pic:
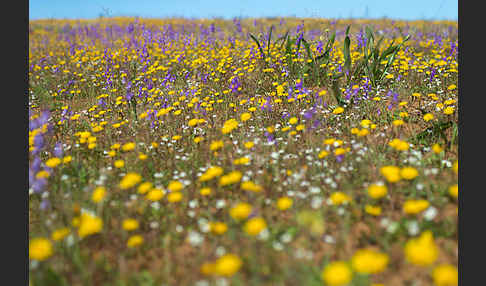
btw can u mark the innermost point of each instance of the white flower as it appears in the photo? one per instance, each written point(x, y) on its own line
point(220, 251)
point(430, 213)
point(220, 204)
point(277, 246)
point(193, 204)
point(316, 202)
point(286, 238)
point(329, 239)
point(194, 238)
point(155, 205)
point(264, 234)
point(413, 228)
point(314, 190)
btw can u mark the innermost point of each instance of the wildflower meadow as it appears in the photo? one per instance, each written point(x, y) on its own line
point(265, 151)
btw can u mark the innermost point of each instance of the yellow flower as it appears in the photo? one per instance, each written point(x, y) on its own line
point(250, 186)
point(245, 116)
point(119, 164)
point(144, 187)
point(445, 275)
point(377, 191)
point(229, 125)
point(193, 122)
point(142, 156)
point(398, 122)
point(337, 273)
point(339, 151)
point(422, 250)
point(368, 261)
point(323, 154)
point(174, 197)
point(249, 145)
point(40, 249)
point(363, 132)
point(373, 210)
point(328, 141)
point(255, 225)
point(293, 120)
point(130, 224)
point(339, 198)
point(399, 144)
point(218, 227)
point(437, 149)
point(59, 234)
point(67, 159)
point(198, 139)
point(391, 173)
point(175, 186)
point(240, 211)
point(210, 173)
point(365, 123)
point(134, 241)
point(451, 87)
point(455, 166)
point(130, 180)
point(216, 145)
point(415, 206)
point(53, 162)
point(454, 190)
point(154, 195)
point(89, 225)
point(408, 173)
point(230, 178)
point(205, 191)
point(449, 110)
point(227, 265)
point(428, 117)
point(284, 203)
point(98, 194)
point(338, 110)
point(42, 174)
point(241, 161)
point(128, 146)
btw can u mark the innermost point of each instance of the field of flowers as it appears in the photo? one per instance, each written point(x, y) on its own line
point(243, 152)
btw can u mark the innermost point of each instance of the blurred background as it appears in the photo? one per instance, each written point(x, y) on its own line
point(396, 9)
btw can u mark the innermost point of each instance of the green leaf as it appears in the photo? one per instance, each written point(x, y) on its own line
point(298, 45)
point(284, 39)
point(307, 48)
point(258, 44)
point(347, 57)
point(269, 40)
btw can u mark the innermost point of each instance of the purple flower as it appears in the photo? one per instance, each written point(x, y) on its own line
point(235, 84)
point(58, 149)
point(38, 185)
point(308, 114)
point(45, 204)
point(269, 136)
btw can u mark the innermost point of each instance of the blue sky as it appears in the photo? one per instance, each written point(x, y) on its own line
point(397, 9)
